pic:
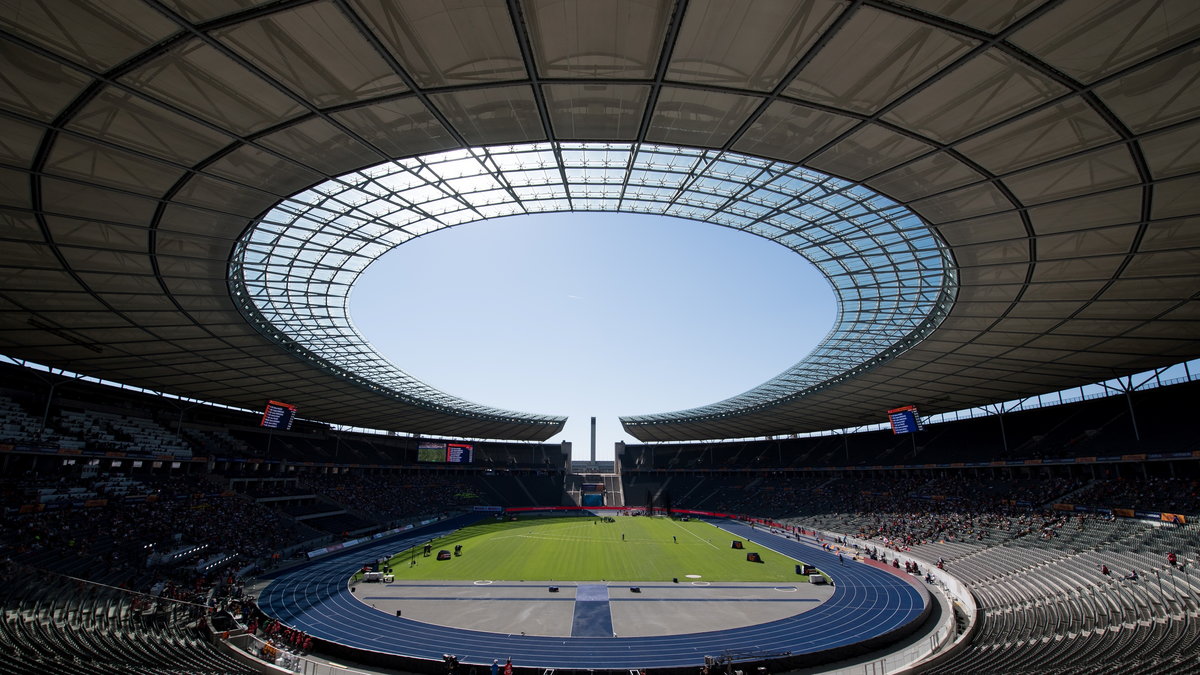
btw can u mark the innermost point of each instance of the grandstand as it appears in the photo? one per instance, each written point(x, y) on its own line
point(1000, 194)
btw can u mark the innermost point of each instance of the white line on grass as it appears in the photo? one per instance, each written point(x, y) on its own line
point(547, 537)
point(694, 534)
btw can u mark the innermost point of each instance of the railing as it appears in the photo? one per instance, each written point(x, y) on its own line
point(281, 657)
point(900, 660)
point(931, 645)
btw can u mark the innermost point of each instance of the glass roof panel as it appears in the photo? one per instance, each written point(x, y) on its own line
point(293, 270)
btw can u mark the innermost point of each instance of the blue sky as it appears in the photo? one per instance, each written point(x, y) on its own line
point(584, 314)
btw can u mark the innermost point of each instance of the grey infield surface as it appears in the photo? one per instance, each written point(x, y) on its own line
point(660, 608)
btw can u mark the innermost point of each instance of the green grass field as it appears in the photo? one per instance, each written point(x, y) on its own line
point(581, 549)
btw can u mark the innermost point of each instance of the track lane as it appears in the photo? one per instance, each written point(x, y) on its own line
point(315, 598)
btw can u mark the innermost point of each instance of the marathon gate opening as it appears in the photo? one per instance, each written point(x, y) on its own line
point(592, 494)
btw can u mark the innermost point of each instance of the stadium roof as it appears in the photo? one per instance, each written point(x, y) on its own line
point(293, 270)
point(1050, 149)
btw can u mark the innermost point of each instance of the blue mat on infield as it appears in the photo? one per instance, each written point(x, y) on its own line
point(592, 615)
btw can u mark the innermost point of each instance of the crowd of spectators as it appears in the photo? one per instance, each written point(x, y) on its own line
point(389, 497)
point(65, 520)
point(123, 537)
point(271, 489)
point(118, 527)
point(951, 521)
point(787, 496)
point(906, 510)
point(915, 512)
point(1172, 495)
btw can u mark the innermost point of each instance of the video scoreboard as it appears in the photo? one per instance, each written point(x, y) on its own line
point(905, 420)
point(278, 415)
point(459, 453)
point(447, 453)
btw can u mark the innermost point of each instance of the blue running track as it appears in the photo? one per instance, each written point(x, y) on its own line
point(592, 616)
point(866, 603)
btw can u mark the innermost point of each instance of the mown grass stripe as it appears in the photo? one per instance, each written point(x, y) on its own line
point(574, 549)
